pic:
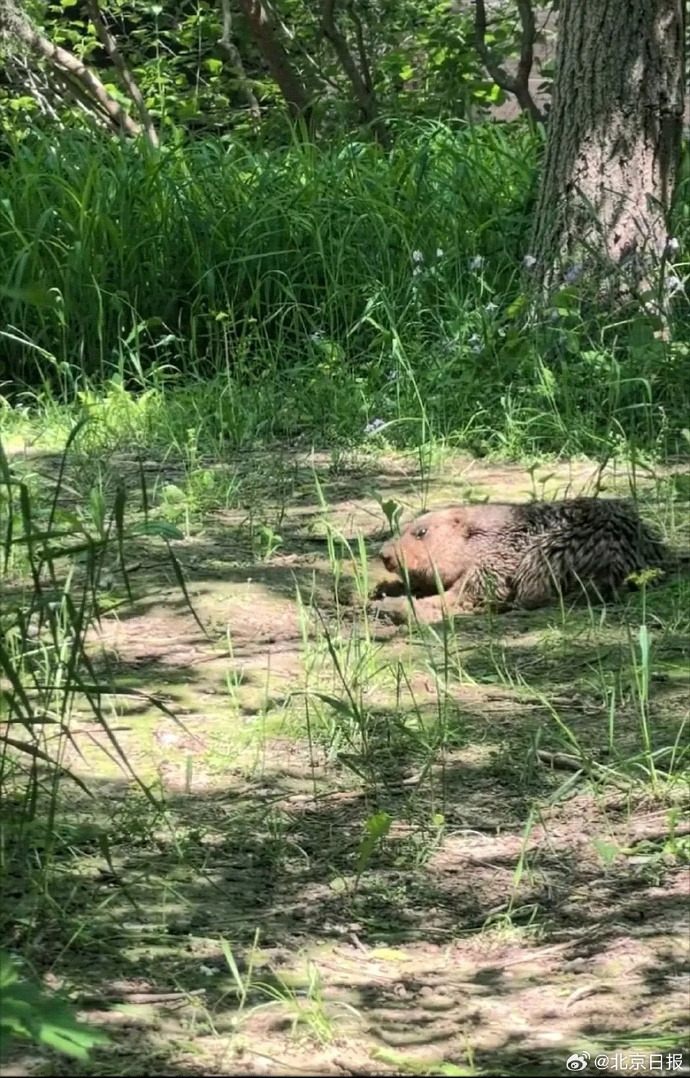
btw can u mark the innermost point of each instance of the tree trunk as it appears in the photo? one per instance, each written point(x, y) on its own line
point(613, 143)
point(276, 57)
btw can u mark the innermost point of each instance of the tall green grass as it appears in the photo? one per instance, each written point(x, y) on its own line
point(271, 292)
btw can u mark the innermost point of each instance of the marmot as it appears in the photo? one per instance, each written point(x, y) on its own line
point(522, 555)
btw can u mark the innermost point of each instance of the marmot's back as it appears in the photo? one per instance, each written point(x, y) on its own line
point(584, 542)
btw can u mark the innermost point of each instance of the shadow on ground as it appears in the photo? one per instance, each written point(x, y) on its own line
point(516, 911)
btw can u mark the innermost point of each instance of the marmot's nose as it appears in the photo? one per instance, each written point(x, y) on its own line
point(388, 558)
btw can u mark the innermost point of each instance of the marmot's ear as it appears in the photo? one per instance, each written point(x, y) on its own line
point(461, 522)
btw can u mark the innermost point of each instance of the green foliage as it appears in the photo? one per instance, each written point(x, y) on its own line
point(420, 53)
point(339, 293)
point(27, 1013)
point(244, 285)
point(376, 828)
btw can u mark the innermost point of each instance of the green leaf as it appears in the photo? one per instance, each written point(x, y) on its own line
point(341, 707)
point(608, 851)
point(27, 1013)
point(516, 306)
point(568, 299)
point(379, 824)
point(67, 519)
point(393, 511)
point(33, 294)
point(161, 528)
point(172, 493)
point(377, 827)
point(24, 102)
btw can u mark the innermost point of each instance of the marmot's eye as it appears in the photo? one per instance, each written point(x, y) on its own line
point(420, 533)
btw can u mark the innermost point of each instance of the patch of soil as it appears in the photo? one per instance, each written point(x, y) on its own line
point(471, 943)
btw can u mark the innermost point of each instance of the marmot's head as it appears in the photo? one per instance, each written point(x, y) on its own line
point(446, 541)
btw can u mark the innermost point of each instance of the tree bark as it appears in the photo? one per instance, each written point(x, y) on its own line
point(276, 57)
point(613, 143)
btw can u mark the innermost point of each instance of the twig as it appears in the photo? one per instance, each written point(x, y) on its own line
point(365, 96)
point(560, 760)
point(517, 84)
point(145, 997)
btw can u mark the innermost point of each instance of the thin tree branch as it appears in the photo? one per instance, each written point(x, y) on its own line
point(361, 48)
point(524, 68)
point(52, 86)
point(18, 75)
point(128, 81)
point(366, 98)
point(230, 49)
point(517, 84)
point(73, 88)
point(499, 74)
point(67, 87)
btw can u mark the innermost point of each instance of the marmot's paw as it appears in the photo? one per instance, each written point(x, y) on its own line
point(395, 610)
point(387, 588)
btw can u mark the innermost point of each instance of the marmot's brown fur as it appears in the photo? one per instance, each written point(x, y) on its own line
point(522, 555)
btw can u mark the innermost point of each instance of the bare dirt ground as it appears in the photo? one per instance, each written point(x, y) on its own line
point(506, 921)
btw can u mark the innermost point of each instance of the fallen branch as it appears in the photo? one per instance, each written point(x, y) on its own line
point(69, 63)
